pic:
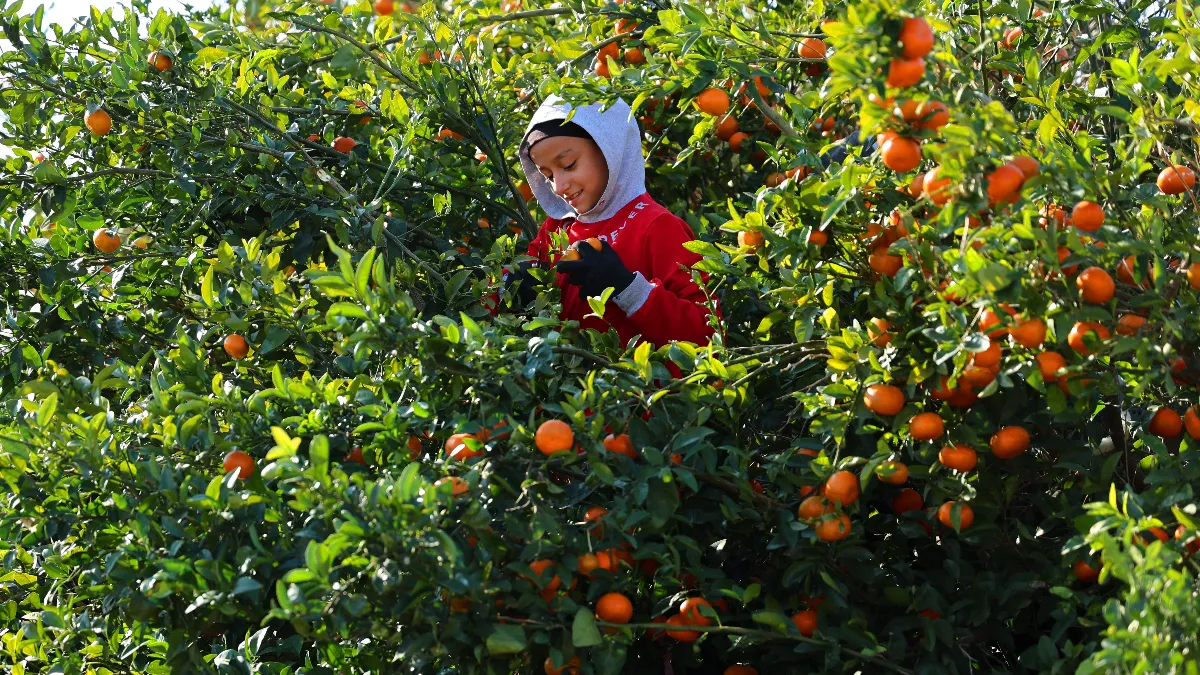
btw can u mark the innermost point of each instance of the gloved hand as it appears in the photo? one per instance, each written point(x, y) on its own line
point(526, 288)
point(596, 270)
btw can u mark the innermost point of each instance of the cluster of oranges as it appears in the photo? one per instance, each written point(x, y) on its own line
point(887, 400)
point(612, 50)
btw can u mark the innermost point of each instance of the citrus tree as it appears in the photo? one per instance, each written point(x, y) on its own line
point(268, 408)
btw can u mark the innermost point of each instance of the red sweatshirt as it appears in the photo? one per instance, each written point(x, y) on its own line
point(665, 303)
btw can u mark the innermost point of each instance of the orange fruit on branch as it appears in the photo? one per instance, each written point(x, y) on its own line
point(989, 357)
point(842, 488)
point(236, 346)
point(457, 485)
point(1176, 179)
point(713, 101)
point(926, 426)
point(1011, 37)
point(814, 507)
point(241, 462)
point(833, 528)
point(735, 141)
point(1010, 442)
point(678, 629)
point(937, 189)
point(1029, 333)
point(885, 264)
point(958, 457)
point(916, 37)
point(932, 115)
point(812, 48)
point(456, 448)
point(98, 122)
point(900, 154)
point(805, 621)
point(1049, 363)
point(554, 436)
point(1027, 165)
point(966, 515)
point(1082, 328)
point(692, 612)
point(621, 445)
point(1130, 324)
point(344, 144)
point(884, 399)
point(586, 564)
point(385, 7)
point(106, 240)
point(1004, 184)
point(1095, 286)
point(727, 126)
point(539, 568)
point(1087, 216)
point(160, 61)
point(905, 72)
point(877, 331)
point(1125, 271)
point(907, 500)
point(614, 608)
point(1085, 572)
point(892, 473)
point(751, 240)
point(1191, 421)
point(1166, 423)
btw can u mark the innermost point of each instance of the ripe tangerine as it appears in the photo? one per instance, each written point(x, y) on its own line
point(958, 457)
point(713, 101)
point(926, 426)
point(884, 399)
point(1166, 423)
point(1010, 442)
point(966, 515)
point(614, 608)
point(916, 37)
point(1176, 179)
point(554, 436)
point(241, 462)
point(236, 346)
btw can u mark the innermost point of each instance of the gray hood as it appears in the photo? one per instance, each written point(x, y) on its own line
point(617, 134)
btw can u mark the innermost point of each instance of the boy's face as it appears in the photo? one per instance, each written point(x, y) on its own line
point(575, 168)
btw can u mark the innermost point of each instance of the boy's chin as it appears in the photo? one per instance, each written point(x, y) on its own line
point(584, 206)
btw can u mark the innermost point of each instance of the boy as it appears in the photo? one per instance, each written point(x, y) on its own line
point(589, 176)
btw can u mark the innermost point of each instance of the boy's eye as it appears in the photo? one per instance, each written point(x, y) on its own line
point(569, 166)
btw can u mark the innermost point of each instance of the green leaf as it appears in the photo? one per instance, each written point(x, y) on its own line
point(206, 289)
point(775, 620)
point(318, 455)
point(276, 336)
point(210, 55)
point(47, 409)
point(506, 639)
point(583, 630)
point(696, 16)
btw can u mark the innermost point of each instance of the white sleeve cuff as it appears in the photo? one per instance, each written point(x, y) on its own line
point(635, 294)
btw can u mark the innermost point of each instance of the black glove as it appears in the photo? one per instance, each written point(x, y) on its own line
point(596, 270)
point(526, 291)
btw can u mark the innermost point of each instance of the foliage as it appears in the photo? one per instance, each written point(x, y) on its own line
point(357, 278)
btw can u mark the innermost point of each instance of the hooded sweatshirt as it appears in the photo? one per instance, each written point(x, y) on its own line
point(662, 303)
